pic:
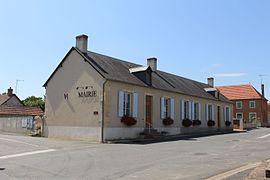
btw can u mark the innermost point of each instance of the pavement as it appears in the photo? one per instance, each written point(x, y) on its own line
point(235, 156)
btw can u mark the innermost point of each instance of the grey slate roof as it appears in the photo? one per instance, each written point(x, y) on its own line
point(118, 70)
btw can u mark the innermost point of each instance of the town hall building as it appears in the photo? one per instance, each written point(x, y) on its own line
point(91, 96)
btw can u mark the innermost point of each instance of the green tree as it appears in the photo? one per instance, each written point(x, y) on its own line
point(34, 101)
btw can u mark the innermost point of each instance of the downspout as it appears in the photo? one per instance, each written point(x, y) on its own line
point(102, 115)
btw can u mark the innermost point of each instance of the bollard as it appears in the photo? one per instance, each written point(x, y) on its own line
point(267, 173)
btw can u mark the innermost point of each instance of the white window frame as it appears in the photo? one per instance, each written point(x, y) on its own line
point(239, 113)
point(167, 107)
point(250, 104)
point(227, 113)
point(133, 104)
point(249, 120)
point(196, 111)
point(209, 116)
point(241, 106)
point(187, 108)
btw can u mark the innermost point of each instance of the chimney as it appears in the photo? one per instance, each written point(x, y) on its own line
point(10, 92)
point(262, 90)
point(210, 81)
point(81, 43)
point(152, 62)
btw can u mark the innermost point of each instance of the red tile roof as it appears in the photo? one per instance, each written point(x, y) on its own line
point(240, 92)
point(21, 110)
point(3, 98)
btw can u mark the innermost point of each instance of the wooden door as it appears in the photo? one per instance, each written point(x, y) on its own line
point(218, 116)
point(148, 111)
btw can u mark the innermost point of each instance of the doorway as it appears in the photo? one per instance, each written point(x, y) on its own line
point(148, 111)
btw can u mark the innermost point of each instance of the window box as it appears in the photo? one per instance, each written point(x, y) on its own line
point(211, 123)
point(196, 122)
point(228, 123)
point(128, 121)
point(167, 121)
point(187, 122)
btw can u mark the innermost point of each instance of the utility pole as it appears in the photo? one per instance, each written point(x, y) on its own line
point(17, 81)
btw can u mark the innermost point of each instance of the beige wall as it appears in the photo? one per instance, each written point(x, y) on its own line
point(67, 115)
point(14, 124)
point(112, 121)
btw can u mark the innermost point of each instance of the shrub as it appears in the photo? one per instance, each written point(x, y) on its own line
point(186, 122)
point(228, 123)
point(128, 121)
point(211, 123)
point(167, 121)
point(196, 122)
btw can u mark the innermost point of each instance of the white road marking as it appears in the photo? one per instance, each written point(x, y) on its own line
point(26, 154)
point(234, 171)
point(265, 136)
point(21, 142)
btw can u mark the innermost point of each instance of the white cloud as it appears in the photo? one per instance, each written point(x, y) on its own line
point(215, 65)
point(230, 74)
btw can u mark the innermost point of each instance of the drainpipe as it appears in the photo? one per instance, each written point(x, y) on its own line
point(102, 118)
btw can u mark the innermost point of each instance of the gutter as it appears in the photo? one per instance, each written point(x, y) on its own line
point(102, 115)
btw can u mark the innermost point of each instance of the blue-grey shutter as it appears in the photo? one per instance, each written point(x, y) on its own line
point(224, 113)
point(230, 116)
point(172, 108)
point(206, 112)
point(199, 114)
point(162, 107)
point(192, 110)
point(120, 103)
point(214, 117)
point(135, 105)
point(182, 109)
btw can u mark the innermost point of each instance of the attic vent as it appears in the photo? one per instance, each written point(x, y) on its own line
point(213, 91)
point(144, 73)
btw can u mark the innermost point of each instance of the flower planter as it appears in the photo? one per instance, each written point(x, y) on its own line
point(228, 123)
point(128, 121)
point(196, 122)
point(167, 121)
point(211, 123)
point(187, 122)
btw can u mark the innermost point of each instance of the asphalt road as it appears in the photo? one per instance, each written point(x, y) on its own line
point(199, 158)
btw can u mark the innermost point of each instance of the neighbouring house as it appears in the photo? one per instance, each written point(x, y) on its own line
point(15, 117)
point(92, 96)
point(249, 104)
point(268, 114)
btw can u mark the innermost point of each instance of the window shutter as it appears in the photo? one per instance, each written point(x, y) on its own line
point(162, 107)
point(192, 110)
point(199, 111)
point(172, 108)
point(135, 105)
point(214, 117)
point(182, 109)
point(121, 104)
point(206, 112)
point(230, 119)
point(224, 113)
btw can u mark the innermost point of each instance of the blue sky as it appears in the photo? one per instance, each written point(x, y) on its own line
point(226, 39)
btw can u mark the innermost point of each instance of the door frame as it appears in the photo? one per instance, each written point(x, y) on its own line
point(148, 124)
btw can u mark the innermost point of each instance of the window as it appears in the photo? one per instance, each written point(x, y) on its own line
point(127, 104)
point(239, 115)
point(186, 110)
point(252, 117)
point(227, 114)
point(196, 112)
point(239, 104)
point(252, 104)
point(167, 108)
point(210, 112)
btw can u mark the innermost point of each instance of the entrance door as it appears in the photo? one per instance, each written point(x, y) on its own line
point(218, 116)
point(148, 111)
